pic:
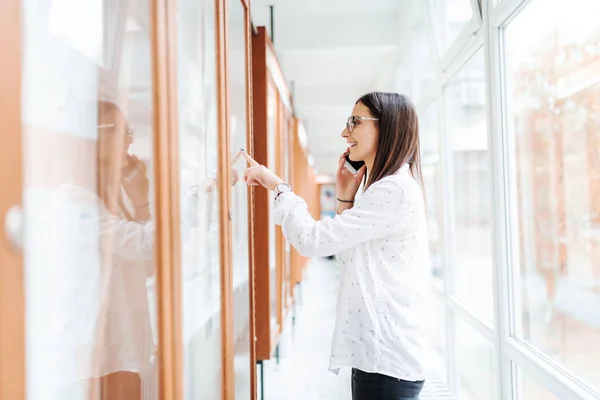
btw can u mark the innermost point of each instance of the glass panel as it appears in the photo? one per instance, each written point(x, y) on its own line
point(450, 18)
point(89, 268)
point(272, 108)
point(198, 152)
point(475, 362)
point(438, 339)
point(531, 389)
point(422, 58)
point(238, 132)
point(433, 179)
point(466, 126)
point(415, 74)
point(554, 124)
point(403, 78)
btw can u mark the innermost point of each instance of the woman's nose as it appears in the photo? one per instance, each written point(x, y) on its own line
point(345, 133)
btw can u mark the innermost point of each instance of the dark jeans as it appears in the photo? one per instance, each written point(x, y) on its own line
point(370, 386)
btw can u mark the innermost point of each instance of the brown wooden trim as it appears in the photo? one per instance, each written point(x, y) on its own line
point(298, 186)
point(315, 197)
point(279, 239)
point(166, 171)
point(12, 300)
point(262, 305)
point(224, 184)
point(292, 166)
point(289, 150)
point(250, 150)
point(295, 185)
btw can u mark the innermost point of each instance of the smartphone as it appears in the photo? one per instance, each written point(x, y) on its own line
point(353, 166)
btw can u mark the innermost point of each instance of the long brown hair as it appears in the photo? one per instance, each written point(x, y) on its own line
point(398, 142)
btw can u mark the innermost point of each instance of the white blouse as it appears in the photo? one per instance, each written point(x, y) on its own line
point(382, 249)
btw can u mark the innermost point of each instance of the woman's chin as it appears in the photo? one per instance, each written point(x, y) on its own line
point(354, 156)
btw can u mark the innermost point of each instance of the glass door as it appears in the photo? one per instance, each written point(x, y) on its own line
point(87, 128)
point(200, 204)
point(240, 215)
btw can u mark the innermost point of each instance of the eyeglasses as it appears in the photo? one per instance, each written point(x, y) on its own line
point(129, 131)
point(353, 120)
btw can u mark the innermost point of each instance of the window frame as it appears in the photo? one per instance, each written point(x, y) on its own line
point(513, 352)
point(485, 33)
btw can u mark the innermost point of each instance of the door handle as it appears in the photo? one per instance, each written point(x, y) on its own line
point(14, 226)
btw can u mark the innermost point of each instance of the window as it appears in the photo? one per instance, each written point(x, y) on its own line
point(239, 197)
point(200, 253)
point(422, 57)
point(439, 339)
point(471, 276)
point(87, 118)
point(403, 79)
point(433, 179)
point(552, 66)
point(415, 75)
point(476, 364)
point(530, 389)
point(450, 18)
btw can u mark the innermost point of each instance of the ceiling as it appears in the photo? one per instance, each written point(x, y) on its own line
point(332, 52)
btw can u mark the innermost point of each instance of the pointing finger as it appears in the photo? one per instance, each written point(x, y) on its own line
point(249, 159)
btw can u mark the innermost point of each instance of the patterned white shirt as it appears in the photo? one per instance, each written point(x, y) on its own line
point(382, 248)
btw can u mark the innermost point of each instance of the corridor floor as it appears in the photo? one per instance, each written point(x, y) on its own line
point(302, 372)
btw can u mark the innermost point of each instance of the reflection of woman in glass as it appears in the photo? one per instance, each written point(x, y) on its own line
point(123, 184)
point(124, 345)
point(381, 242)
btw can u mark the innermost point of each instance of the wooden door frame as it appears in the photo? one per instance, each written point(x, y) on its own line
point(267, 72)
point(167, 249)
point(12, 290)
point(250, 150)
point(279, 239)
point(224, 183)
point(262, 280)
point(298, 185)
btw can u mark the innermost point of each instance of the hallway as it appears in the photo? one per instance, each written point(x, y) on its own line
point(138, 262)
point(304, 351)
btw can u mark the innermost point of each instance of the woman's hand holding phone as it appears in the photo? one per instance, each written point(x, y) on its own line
point(347, 183)
point(135, 181)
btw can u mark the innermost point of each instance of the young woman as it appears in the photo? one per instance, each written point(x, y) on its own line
point(381, 243)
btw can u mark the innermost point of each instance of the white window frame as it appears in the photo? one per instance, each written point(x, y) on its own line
point(459, 308)
point(463, 37)
point(485, 33)
point(512, 350)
